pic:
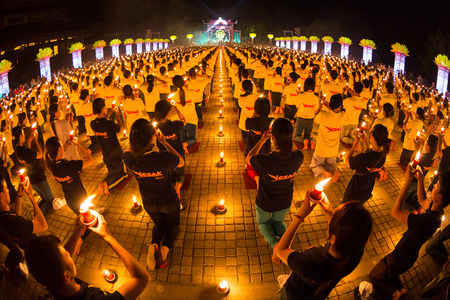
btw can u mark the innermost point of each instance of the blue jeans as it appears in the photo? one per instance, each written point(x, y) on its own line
point(303, 125)
point(189, 134)
point(271, 224)
point(44, 190)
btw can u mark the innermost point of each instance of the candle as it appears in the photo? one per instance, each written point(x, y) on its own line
point(110, 276)
point(221, 101)
point(362, 127)
point(22, 176)
point(221, 157)
point(442, 130)
point(417, 136)
point(342, 155)
point(316, 194)
point(4, 140)
point(220, 130)
point(415, 161)
point(154, 124)
point(221, 204)
point(124, 133)
point(135, 203)
point(223, 287)
point(71, 135)
point(33, 127)
point(220, 113)
point(89, 218)
point(114, 104)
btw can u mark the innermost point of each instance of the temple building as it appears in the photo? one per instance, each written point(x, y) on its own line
point(220, 31)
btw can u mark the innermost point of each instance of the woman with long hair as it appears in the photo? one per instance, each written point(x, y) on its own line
point(317, 270)
point(62, 129)
point(153, 171)
point(276, 170)
point(367, 165)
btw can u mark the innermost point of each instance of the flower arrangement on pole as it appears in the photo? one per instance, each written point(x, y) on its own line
point(115, 47)
point(401, 52)
point(288, 40)
point(148, 45)
point(295, 40)
point(5, 67)
point(98, 47)
point(314, 40)
point(75, 49)
point(443, 65)
point(139, 45)
point(345, 45)
point(128, 46)
point(270, 37)
point(368, 47)
point(327, 40)
point(303, 39)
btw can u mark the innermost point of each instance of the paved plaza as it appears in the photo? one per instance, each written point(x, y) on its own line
point(211, 248)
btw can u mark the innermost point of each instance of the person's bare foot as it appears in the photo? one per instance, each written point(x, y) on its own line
point(164, 252)
point(106, 188)
point(313, 145)
point(305, 145)
point(185, 147)
point(399, 294)
point(100, 189)
point(335, 177)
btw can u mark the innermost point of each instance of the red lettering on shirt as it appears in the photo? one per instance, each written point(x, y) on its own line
point(277, 83)
point(156, 175)
point(67, 179)
point(130, 112)
point(171, 137)
point(292, 95)
point(109, 97)
point(256, 132)
point(308, 105)
point(357, 108)
point(334, 92)
point(282, 177)
point(89, 115)
point(249, 108)
point(102, 134)
point(332, 129)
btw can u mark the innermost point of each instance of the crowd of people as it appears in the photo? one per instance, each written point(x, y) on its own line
point(288, 102)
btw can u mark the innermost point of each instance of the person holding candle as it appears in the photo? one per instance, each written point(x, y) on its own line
point(133, 109)
point(62, 129)
point(184, 100)
point(30, 158)
point(276, 91)
point(353, 107)
point(151, 95)
point(15, 230)
point(197, 84)
point(106, 132)
point(412, 124)
point(171, 130)
point(276, 170)
point(256, 126)
point(385, 275)
point(153, 171)
point(246, 102)
point(327, 147)
point(384, 118)
point(85, 110)
point(52, 265)
point(307, 107)
point(367, 165)
point(317, 270)
point(291, 93)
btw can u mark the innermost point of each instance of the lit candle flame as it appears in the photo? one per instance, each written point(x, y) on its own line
point(321, 184)
point(84, 207)
point(220, 129)
point(417, 156)
point(221, 153)
point(154, 124)
point(223, 285)
point(21, 171)
point(171, 95)
point(221, 202)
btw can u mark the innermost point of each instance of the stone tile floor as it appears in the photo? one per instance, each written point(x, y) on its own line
point(211, 248)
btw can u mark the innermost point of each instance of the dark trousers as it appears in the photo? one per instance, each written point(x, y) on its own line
point(81, 124)
point(405, 157)
point(14, 256)
point(199, 111)
point(94, 143)
point(166, 226)
point(276, 99)
point(116, 172)
point(401, 117)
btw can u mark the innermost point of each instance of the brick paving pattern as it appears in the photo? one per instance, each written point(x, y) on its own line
point(211, 248)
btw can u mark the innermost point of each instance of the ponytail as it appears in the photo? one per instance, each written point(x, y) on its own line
point(51, 146)
point(381, 136)
point(178, 82)
point(282, 132)
point(141, 135)
point(150, 83)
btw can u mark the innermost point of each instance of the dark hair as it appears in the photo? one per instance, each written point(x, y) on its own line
point(16, 132)
point(262, 107)
point(97, 106)
point(282, 132)
point(126, 73)
point(247, 86)
point(46, 262)
point(444, 189)
point(21, 118)
point(278, 71)
point(440, 114)
point(128, 91)
point(388, 110)
point(2, 125)
point(294, 76)
point(192, 72)
point(51, 147)
point(358, 86)
point(141, 135)
point(421, 113)
point(150, 83)
point(381, 136)
point(433, 144)
point(389, 87)
point(83, 94)
point(108, 80)
point(74, 86)
point(335, 101)
point(333, 74)
point(162, 109)
point(54, 99)
point(309, 85)
point(178, 82)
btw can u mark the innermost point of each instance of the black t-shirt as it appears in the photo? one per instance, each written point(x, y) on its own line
point(421, 227)
point(276, 178)
point(368, 164)
point(444, 166)
point(67, 173)
point(34, 168)
point(153, 171)
point(87, 292)
point(105, 131)
point(171, 130)
point(19, 228)
point(256, 127)
point(312, 267)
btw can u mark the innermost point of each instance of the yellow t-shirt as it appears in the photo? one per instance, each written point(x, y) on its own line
point(133, 110)
point(411, 132)
point(290, 91)
point(328, 139)
point(386, 122)
point(247, 105)
point(85, 110)
point(307, 104)
point(353, 107)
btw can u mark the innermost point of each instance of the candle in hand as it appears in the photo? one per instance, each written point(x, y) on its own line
point(71, 135)
point(22, 175)
point(114, 104)
point(124, 133)
point(417, 136)
point(316, 194)
point(220, 113)
point(33, 127)
point(86, 212)
point(416, 161)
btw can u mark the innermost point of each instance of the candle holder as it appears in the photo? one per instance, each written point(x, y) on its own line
point(220, 114)
point(89, 217)
point(220, 134)
point(221, 162)
point(317, 193)
point(23, 179)
point(223, 288)
point(220, 207)
point(136, 207)
point(110, 276)
point(125, 135)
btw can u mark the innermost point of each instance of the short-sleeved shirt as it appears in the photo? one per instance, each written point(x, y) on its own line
point(386, 122)
point(153, 171)
point(105, 131)
point(133, 110)
point(421, 227)
point(171, 130)
point(256, 127)
point(367, 165)
point(85, 110)
point(67, 173)
point(276, 181)
point(329, 133)
point(411, 132)
point(34, 168)
point(19, 228)
point(312, 267)
point(307, 105)
point(353, 107)
point(247, 105)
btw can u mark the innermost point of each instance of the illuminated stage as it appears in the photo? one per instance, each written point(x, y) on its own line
point(220, 31)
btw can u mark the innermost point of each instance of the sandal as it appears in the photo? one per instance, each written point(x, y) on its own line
point(164, 264)
point(152, 256)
